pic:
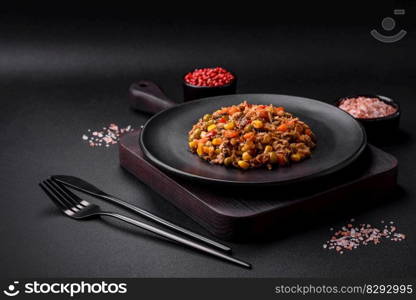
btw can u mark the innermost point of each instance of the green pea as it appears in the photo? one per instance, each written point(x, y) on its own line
point(197, 133)
point(248, 128)
point(228, 161)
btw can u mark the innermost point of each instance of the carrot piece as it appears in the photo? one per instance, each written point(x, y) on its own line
point(282, 127)
point(222, 120)
point(263, 114)
point(230, 133)
point(308, 132)
point(203, 140)
point(211, 133)
point(222, 111)
point(248, 135)
point(233, 109)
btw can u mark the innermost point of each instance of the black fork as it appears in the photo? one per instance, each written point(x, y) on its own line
point(74, 207)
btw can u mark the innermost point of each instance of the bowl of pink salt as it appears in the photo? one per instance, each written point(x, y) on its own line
point(380, 115)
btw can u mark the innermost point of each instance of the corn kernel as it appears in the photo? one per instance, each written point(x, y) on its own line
point(268, 149)
point(193, 144)
point(257, 124)
point(200, 150)
point(212, 127)
point(296, 157)
point(207, 117)
point(246, 147)
point(273, 157)
point(216, 141)
point(229, 125)
point(246, 156)
point(242, 164)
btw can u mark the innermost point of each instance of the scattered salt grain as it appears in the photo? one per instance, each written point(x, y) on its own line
point(109, 135)
point(354, 235)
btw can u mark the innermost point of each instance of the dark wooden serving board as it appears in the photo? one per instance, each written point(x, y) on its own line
point(239, 213)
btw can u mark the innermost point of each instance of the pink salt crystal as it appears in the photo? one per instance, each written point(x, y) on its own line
point(113, 127)
point(107, 139)
point(351, 237)
point(107, 136)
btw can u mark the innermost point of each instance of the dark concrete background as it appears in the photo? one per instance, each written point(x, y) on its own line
point(61, 74)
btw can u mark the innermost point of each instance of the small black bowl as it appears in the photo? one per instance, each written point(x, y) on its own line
point(192, 92)
point(379, 128)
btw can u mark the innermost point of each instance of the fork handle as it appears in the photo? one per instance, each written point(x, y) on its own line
point(177, 239)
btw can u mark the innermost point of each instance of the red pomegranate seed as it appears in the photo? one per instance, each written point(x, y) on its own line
point(209, 77)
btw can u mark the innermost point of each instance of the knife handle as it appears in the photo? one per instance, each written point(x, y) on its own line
point(146, 96)
point(178, 239)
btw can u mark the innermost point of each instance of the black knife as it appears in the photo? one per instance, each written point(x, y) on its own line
point(85, 187)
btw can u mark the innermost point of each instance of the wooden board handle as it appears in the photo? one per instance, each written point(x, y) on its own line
point(147, 97)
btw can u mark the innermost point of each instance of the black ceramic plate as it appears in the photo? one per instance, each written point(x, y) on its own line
point(340, 140)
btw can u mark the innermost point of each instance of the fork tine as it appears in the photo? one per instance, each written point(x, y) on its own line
point(54, 199)
point(74, 199)
point(57, 194)
point(69, 193)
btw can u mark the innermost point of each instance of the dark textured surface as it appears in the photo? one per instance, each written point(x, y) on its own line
point(245, 213)
point(59, 78)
